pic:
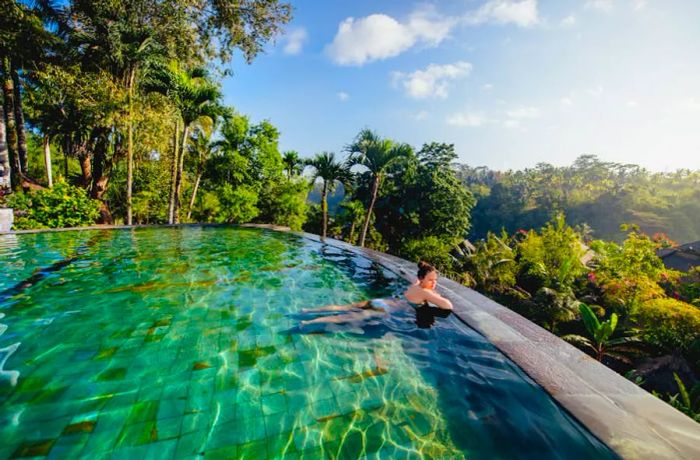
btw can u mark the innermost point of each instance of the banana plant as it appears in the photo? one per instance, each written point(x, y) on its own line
point(686, 401)
point(599, 340)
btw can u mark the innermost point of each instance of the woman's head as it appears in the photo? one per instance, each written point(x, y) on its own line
point(427, 275)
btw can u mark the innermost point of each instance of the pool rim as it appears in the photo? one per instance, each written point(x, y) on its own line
point(630, 421)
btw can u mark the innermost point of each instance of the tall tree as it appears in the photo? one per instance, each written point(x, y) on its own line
point(331, 171)
point(195, 97)
point(377, 155)
point(292, 163)
point(203, 147)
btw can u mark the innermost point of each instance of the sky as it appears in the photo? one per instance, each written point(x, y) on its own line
point(511, 83)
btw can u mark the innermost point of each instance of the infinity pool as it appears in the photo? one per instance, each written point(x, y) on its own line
point(185, 343)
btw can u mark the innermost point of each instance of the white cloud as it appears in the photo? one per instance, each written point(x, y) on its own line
point(522, 13)
point(343, 96)
point(466, 119)
point(566, 101)
point(521, 113)
point(568, 21)
point(379, 36)
point(295, 41)
point(487, 87)
point(433, 80)
point(600, 5)
point(639, 5)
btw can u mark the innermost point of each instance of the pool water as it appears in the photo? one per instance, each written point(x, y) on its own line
point(185, 343)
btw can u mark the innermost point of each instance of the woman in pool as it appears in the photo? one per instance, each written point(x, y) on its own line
point(420, 293)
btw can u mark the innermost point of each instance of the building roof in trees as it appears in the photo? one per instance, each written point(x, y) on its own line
point(683, 257)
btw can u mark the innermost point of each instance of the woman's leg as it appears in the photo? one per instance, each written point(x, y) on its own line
point(346, 318)
point(348, 307)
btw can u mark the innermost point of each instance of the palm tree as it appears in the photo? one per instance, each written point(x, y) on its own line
point(331, 171)
point(203, 147)
point(195, 97)
point(378, 156)
point(292, 163)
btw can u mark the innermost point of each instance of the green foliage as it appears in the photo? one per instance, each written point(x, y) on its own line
point(228, 204)
point(432, 250)
point(61, 206)
point(669, 323)
point(602, 194)
point(629, 273)
point(685, 401)
point(599, 340)
point(288, 205)
point(492, 266)
point(554, 254)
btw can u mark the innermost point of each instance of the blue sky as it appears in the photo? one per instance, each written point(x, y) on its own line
point(510, 82)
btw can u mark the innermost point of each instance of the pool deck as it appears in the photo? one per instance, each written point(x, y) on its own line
point(632, 422)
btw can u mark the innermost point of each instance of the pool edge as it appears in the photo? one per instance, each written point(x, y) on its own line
point(629, 420)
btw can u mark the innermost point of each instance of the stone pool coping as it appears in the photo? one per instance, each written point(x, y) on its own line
point(629, 420)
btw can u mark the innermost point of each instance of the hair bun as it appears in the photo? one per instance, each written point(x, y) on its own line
point(423, 264)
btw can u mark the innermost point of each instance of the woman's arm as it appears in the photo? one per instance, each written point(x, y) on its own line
point(437, 300)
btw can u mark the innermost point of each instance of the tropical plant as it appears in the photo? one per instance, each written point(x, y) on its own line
point(202, 148)
point(685, 401)
point(293, 165)
point(599, 341)
point(61, 206)
point(377, 155)
point(331, 172)
point(669, 323)
point(492, 266)
point(196, 98)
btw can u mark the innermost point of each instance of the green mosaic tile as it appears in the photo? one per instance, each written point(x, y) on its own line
point(252, 450)
point(222, 453)
point(161, 450)
point(143, 411)
point(117, 373)
point(34, 448)
point(169, 428)
point(138, 434)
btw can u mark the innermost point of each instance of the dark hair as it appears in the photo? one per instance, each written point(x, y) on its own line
point(424, 268)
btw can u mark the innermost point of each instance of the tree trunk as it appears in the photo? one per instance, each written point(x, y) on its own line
point(5, 183)
point(173, 175)
point(86, 168)
point(375, 189)
point(130, 149)
point(101, 169)
point(178, 177)
point(19, 120)
point(66, 150)
point(194, 194)
point(47, 159)
point(324, 207)
point(10, 124)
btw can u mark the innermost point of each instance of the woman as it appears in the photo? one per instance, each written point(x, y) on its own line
point(419, 294)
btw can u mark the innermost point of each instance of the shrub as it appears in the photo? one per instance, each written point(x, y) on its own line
point(61, 206)
point(669, 323)
point(553, 255)
point(431, 249)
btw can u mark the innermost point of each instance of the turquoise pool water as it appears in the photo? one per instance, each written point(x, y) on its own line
point(185, 343)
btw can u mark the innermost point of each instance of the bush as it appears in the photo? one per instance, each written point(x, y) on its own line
point(669, 323)
point(61, 206)
point(432, 250)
